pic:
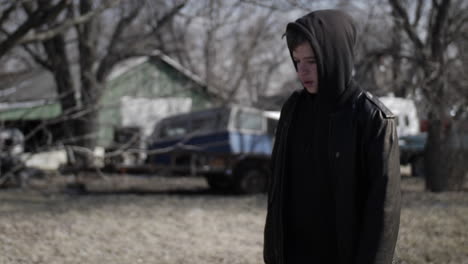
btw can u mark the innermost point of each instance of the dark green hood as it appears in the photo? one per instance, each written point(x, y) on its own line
point(332, 35)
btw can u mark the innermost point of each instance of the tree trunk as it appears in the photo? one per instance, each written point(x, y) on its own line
point(436, 178)
point(445, 159)
point(86, 134)
point(60, 67)
point(86, 121)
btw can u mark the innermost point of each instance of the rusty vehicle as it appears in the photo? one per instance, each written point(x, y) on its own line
point(229, 146)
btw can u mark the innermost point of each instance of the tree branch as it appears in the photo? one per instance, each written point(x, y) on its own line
point(402, 14)
point(37, 58)
point(6, 14)
point(168, 16)
point(113, 56)
point(123, 23)
point(418, 13)
point(37, 18)
point(110, 59)
point(440, 21)
point(50, 33)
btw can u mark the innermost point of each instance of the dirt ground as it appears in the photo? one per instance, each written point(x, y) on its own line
point(178, 220)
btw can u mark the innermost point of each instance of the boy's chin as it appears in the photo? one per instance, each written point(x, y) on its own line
point(311, 90)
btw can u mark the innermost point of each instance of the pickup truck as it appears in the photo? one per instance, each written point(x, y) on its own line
point(412, 152)
point(411, 140)
point(230, 146)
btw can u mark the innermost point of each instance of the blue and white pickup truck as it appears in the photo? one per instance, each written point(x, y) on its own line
point(412, 152)
point(230, 146)
point(411, 140)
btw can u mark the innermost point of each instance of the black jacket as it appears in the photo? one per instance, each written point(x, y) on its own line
point(362, 150)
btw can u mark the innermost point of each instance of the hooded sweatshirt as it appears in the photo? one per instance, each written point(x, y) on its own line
point(310, 231)
point(362, 161)
point(309, 200)
point(332, 36)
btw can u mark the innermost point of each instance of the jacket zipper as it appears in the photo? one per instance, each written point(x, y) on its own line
point(331, 157)
point(280, 253)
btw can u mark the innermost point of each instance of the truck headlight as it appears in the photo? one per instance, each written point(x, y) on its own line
point(217, 163)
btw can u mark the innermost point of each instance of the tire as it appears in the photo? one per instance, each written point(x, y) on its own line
point(251, 181)
point(12, 180)
point(76, 188)
point(218, 183)
point(417, 167)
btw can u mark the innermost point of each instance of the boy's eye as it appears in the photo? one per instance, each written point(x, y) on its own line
point(305, 61)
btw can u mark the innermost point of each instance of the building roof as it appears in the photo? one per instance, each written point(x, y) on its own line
point(126, 65)
point(33, 94)
point(28, 95)
point(34, 85)
point(31, 88)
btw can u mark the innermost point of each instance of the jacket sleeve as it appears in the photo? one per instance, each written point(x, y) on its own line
point(270, 245)
point(381, 213)
point(285, 111)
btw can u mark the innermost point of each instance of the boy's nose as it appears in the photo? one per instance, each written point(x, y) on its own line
point(301, 69)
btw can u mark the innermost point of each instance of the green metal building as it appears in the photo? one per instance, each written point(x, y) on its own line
point(139, 92)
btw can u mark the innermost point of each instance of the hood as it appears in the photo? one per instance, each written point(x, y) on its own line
point(332, 35)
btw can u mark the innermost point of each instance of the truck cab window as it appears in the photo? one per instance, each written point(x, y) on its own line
point(249, 121)
point(176, 129)
point(271, 126)
point(204, 124)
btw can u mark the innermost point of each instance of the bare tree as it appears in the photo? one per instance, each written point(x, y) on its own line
point(95, 36)
point(236, 46)
point(414, 49)
point(433, 51)
point(44, 13)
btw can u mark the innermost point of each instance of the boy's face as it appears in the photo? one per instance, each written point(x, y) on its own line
point(304, 58)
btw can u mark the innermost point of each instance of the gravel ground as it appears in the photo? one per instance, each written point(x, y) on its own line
point(178, 220)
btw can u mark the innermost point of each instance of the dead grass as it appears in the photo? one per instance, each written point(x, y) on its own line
point(434, 226)
point(163, 220)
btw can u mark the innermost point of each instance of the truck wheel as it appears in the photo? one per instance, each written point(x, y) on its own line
point(417, 167)
point(218, 183)
point(251, 180)
point(12, 180)
point(76, 188)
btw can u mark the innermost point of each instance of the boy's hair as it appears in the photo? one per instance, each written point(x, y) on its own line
point(294, 38)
